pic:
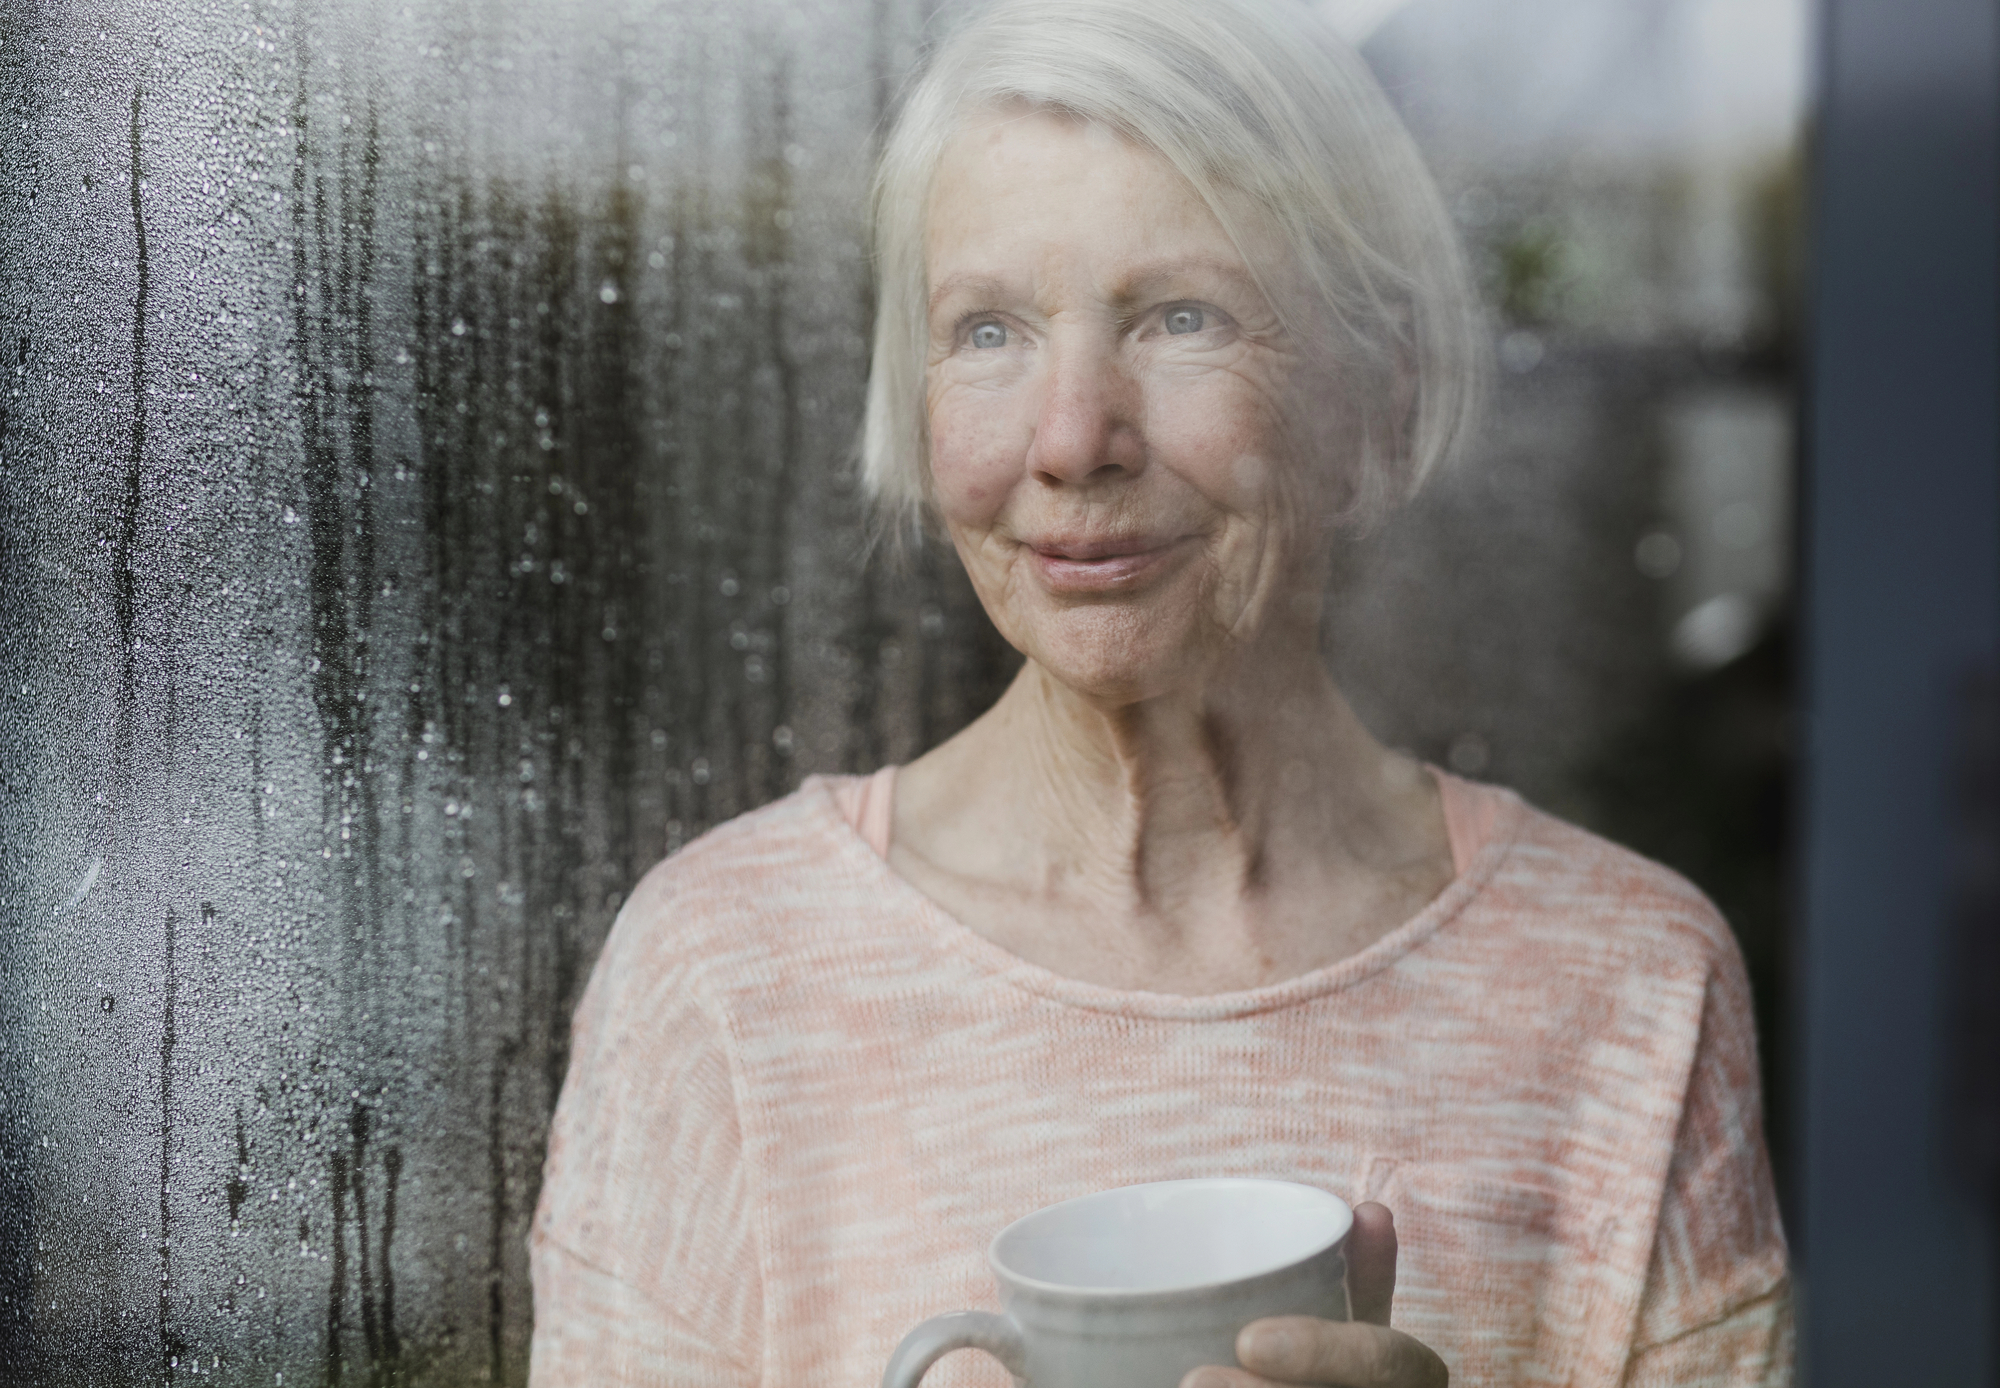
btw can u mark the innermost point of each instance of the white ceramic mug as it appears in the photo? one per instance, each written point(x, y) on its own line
point(1132, 1288)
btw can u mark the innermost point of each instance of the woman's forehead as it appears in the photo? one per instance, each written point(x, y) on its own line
point(1019, 154)
point(1019, 188)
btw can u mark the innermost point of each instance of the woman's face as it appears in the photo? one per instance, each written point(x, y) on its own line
point(1132, 455)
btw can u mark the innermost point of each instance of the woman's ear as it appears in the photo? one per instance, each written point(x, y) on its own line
point(1330, 429)
point(1364, 438)
point(1364, 417)
point(1390, 437)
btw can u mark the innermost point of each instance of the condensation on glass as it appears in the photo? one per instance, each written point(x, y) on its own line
point(425, 501)
point(425, 438)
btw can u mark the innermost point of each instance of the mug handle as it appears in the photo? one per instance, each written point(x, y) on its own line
point(940, 1335)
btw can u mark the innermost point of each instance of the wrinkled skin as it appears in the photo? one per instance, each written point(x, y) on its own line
point(1138, 459)
point(1131, 386)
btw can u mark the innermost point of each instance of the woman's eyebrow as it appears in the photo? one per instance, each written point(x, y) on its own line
point(1143, 280)
point(977, 286)
point(1133, 283)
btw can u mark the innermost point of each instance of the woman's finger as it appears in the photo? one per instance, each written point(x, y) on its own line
point(1214, 1377)
point(1371, 1263)
point(1303, 1349)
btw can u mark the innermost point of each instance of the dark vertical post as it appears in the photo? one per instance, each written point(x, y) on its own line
point(1903, 592)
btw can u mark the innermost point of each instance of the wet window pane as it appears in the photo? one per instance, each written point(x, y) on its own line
point(425, 443)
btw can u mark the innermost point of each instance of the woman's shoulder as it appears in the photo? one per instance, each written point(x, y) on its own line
point(767, 871)
point(1559, 882)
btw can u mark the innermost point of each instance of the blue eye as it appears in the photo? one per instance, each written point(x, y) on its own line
point(989, 335)
point(1184, 320)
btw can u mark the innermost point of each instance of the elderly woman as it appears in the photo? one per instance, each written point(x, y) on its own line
point(1168, 307)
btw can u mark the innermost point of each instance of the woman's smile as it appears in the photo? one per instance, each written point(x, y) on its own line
point(1116, 564)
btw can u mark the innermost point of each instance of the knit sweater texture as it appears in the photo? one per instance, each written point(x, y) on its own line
point(802, 1099)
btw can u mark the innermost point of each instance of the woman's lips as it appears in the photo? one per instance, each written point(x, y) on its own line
point(1096, 566)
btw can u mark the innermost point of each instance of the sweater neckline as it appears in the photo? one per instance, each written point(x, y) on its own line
point(939, 927)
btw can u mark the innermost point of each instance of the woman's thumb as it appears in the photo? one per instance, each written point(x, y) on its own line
point(1371, 1263)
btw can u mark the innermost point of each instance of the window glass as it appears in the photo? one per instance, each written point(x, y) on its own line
point(425, 443)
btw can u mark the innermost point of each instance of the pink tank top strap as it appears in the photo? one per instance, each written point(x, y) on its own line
point(1471, 815)
point(867, 803)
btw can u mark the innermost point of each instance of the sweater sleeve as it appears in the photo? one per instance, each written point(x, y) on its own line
point(1716, 1307)
point(593, 1330)
point(644, 1258)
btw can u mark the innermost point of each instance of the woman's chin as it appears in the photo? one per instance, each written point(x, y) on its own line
point(1116, 657)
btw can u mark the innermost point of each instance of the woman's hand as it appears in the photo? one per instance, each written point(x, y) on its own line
point(1361, 1353)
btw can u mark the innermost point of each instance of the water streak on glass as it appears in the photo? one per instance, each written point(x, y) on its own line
point(425, 473)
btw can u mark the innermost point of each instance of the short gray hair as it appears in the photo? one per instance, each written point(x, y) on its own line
point(1259, 98)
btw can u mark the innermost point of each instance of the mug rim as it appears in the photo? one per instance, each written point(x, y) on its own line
point(1344, 1225)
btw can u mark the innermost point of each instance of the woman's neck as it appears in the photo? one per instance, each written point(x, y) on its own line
point(1185, 844)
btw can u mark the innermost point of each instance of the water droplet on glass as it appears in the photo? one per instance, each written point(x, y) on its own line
point(1521, 352)
point(1468, 755)
point(1657, 555)
point(608, 293)
point(1716, 632)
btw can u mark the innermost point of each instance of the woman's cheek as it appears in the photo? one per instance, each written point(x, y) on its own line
point(969, 466)
point(1217, 436)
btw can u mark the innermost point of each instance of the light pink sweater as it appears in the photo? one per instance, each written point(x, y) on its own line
point(802, 1099)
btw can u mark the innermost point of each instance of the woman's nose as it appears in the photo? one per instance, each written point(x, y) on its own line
point(1087, 427)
